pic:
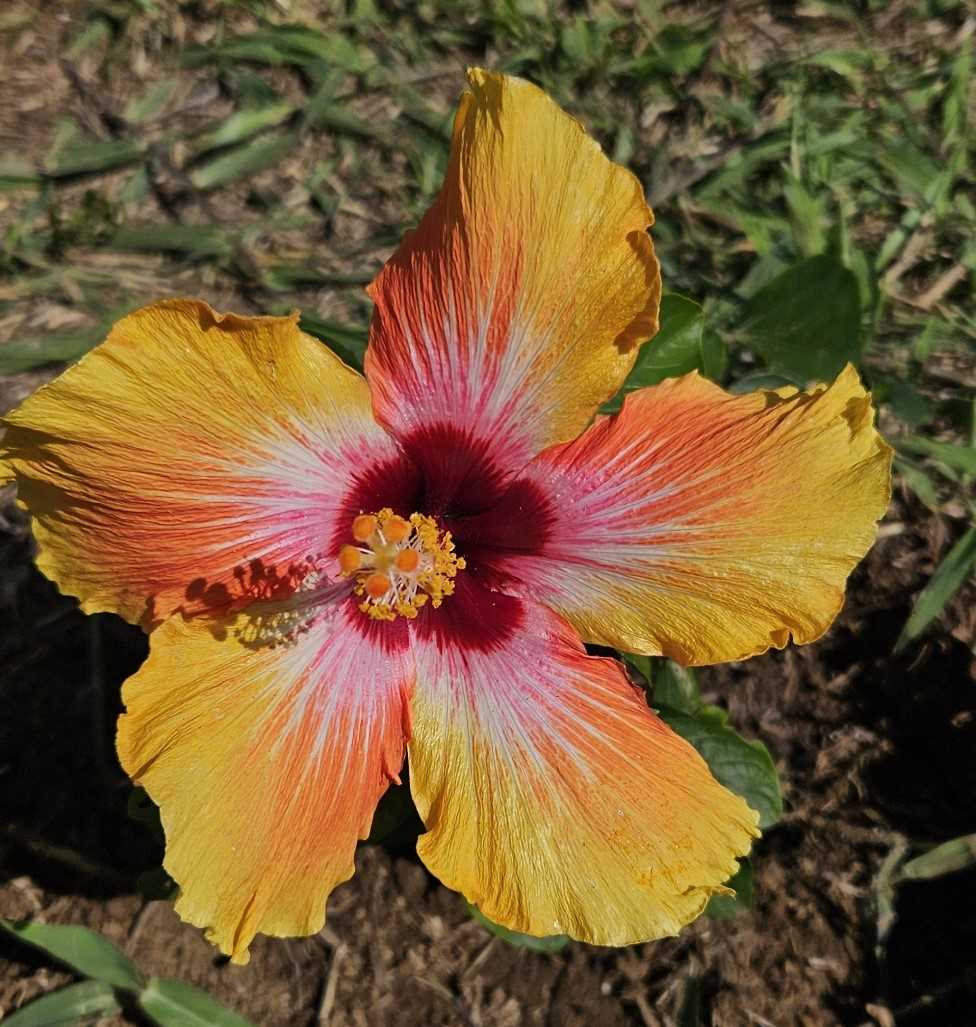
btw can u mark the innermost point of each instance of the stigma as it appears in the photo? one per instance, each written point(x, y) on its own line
point(399, 564)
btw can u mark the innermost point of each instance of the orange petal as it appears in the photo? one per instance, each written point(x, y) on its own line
point(705, 526)
point(266, 760)
point(554, 799)
point(517, 306)
point(187, 447)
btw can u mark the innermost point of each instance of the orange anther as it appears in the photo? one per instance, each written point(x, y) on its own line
point(350, 559)
point(396, 529)
point(377, 585)
point(407, 560)
point(363, 527)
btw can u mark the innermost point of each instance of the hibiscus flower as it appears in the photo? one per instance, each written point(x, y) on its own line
point(341, 572)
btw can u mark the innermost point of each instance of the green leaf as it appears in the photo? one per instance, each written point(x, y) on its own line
point(680, 49)
point(959, 458)
point(678, 348)
point(152, 103)
point(191, 240)
point(744, 767)
point(175, 1004)
point(806, 323)
point(724, 907)
point(243, 124)
point(83, 950)
point(52, 349)
point(16, 173)
point(676, 687)
point(919, 482)
point(958, 565)
point(348, 341)
point(245, 160)
point(947, 858)
point(81, 157)
point(642, 664)
point(553, 943)
point(77, 1002)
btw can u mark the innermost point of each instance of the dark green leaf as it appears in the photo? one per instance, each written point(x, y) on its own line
point(744, 767)
point(175, 1004)
point(553, 943)
point(690, 1014)
point(395, 813)
point(675, 350)
point(755, 380)
point(84, 951)
point(77, 1002)
point(724, 907)
point(958, 565)
point(806, 323)
point(348, 341)
point(644, 666)
point(680, 49)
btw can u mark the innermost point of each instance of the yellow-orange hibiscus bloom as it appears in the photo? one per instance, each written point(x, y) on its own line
point(337, 570)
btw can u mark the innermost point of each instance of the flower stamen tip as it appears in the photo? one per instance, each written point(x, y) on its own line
point(401, 564)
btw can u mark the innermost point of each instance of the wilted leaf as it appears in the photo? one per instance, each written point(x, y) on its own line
point(553, 943)
point(81, 949)
point(175, 1004)
point(76, 1003)
point(806, 323)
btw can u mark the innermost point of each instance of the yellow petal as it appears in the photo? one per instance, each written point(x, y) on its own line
point(187, 447)
point(266, 760)
point(705, 526)
point(554, 799)
point(517, 306)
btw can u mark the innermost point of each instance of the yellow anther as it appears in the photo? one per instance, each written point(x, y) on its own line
point(350, 559)
point(401, 566)
point(363, 527)
point(407, 560)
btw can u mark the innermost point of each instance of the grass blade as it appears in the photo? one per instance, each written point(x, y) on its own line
point(958, 565)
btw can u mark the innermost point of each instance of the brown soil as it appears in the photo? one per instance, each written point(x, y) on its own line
point(876, 752)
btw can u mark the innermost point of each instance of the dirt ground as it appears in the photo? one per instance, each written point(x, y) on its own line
point(876, 753)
